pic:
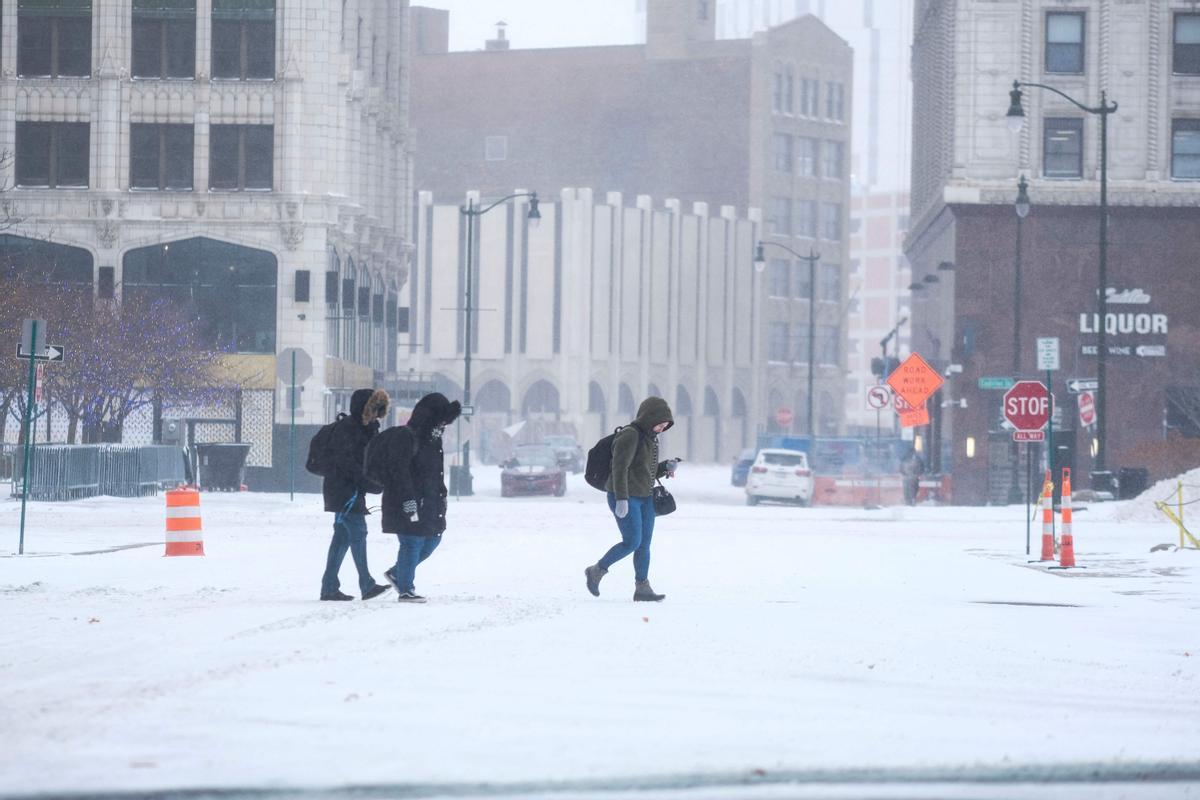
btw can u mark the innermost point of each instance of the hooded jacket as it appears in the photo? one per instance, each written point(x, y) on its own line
point(635, 464)
point(348, 443)
point(413, 467)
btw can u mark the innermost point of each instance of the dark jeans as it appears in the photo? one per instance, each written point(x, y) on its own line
point(349, 533)
point(637, 528)
point(413, 550)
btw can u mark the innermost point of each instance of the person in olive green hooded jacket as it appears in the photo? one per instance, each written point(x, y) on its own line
point(635, 467)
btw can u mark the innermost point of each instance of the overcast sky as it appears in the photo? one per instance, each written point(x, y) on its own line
point(541, 23)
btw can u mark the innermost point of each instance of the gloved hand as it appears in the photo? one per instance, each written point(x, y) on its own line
point(410, 509)
point(622, 509)
point(671, 466)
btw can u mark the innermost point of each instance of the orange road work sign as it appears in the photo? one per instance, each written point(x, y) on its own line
point(915, 380)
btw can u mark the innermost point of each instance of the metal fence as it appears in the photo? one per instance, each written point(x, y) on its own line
point(72, 472)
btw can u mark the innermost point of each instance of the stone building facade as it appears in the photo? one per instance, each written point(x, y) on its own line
point(1145, 54)
point(579, 318)
point(762, 122)
point(249, 156)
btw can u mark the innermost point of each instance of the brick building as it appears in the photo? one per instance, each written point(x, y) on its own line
point(752, 123)
point(1146, 55)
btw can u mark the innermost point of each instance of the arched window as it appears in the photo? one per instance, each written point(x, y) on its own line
point(712, 406)
point(624, 399)
point(493, 397)
point(541, 398)
point(596, 403)
point(44, 262)
point(683, 402)
point(231, 289)
point(653, 391)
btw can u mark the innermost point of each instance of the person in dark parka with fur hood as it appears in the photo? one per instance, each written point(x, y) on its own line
point(345, 489)
point(411, 469)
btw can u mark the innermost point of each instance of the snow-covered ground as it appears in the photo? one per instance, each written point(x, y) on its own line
point(801, 642)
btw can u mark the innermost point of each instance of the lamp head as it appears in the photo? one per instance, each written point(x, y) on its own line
point(534, 216)
point(1022, 204)
point(760, 258)
point(1016, 114)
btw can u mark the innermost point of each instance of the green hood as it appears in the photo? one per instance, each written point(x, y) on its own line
point(653, 411)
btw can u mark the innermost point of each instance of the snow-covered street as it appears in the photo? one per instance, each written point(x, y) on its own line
point(792, 639)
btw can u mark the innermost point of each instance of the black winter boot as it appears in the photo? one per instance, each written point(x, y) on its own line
point(593, 574)
point(642, 591)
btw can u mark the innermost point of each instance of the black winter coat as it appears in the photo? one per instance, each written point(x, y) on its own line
point(413, 468)
point(349, 444)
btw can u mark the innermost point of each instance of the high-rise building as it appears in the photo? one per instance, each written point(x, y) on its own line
point(757, 123)
point(879, 277)
point(1000, 284)
point(248, 157)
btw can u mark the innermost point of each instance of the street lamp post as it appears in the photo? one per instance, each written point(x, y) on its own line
point(812, 258)
point(1021, 206)
point(471, 211)
point(1016, 120)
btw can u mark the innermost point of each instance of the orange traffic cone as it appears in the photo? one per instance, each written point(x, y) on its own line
point(183, 523)
point(1066, 556)
point(1048, 518)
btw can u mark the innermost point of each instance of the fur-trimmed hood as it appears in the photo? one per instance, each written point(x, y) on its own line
point(369, 405)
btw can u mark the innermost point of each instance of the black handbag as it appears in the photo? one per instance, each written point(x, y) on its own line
point(664, 502)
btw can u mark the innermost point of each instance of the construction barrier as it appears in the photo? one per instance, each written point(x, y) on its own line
point(1066, 555)
point(1048, 518)
point(1176, 516)
point(184, 536)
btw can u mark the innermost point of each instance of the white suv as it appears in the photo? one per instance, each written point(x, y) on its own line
point(781, 475)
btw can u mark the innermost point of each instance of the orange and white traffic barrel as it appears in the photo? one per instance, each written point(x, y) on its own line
point(1066, 554)
point(1048, 518)
point(184, 537)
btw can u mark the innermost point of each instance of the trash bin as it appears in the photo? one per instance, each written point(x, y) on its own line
point(222, 467)
point(1132, 481)
point(1104, 485)
point(460, 481)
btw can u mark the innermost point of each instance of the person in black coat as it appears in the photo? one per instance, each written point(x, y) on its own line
point(345, 489)
point(411, 470)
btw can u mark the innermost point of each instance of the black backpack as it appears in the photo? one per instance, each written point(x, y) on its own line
point(320, 453)
point(599, 461)
point(375, 458)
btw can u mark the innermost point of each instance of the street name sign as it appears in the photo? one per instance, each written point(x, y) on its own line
point(996, 382)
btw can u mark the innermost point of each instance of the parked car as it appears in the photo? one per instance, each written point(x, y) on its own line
point(533, 469)
point(567, 450)
point(781, 475)
point(741, 467)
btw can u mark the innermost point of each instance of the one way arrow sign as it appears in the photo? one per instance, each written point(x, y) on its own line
point(53, 352)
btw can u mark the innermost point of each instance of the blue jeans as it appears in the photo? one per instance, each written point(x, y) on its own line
point(637, 528)
point(349, 533)
point(413, 550)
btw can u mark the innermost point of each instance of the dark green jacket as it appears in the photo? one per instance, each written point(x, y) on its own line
point(635, 462)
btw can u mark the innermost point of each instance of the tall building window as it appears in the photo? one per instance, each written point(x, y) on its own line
point(702, 10)
point(781, 152)
point(1064, 42)
point(777, 91)
point(779, 282)
point(1186, 56)
point(1062, 148)
point(831, 283)
point(52, 155)
point(810, 97)
point(779, 216)
point(495, 148)
point(835, 101)
point(243, 39)
point(54, 39)
point(789, 91)
point(1185, 149)
point(806, 156)
point(833, 159)
point(800, 351)
point(804, 285)
point(160, 156)
point(831, 221)
point(806, 218)
point(777, 341)
point(241, 157)
point(164, 39)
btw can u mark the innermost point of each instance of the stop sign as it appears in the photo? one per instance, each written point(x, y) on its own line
point(783, 416)
point(1087, 409)
point(1027, 406)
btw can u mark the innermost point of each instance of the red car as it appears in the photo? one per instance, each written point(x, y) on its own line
point(533, 469)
